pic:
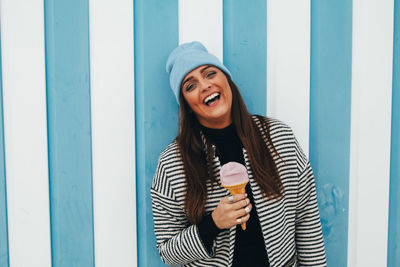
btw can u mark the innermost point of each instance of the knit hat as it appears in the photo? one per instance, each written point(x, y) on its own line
point(184, 59)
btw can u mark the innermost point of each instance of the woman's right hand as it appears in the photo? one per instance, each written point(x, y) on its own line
point(231, 211)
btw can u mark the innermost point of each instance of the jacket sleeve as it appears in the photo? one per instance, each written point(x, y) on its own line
point(178, 241)
point(309, 239)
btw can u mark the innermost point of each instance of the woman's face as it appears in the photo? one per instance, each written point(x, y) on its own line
point(207, 91)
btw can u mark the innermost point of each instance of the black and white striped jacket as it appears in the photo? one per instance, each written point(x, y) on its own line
point(291, 226)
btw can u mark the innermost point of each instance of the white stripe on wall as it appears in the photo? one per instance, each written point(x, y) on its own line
point(370, 132)
point(113, 132)
point(25, 132)
point(202, 20)
point(288, 65)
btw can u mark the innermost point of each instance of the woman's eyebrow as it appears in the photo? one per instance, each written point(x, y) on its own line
point(188, 79)
point(206, 67)
point(201, 71)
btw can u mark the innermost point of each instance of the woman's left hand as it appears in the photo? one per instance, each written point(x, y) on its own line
point(231, 211)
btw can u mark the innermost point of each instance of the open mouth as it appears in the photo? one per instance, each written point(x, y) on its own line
point(209, 100)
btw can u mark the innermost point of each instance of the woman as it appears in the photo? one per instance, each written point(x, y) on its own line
point(196, 221)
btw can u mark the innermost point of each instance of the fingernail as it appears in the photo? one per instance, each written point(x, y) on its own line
point(245, 194)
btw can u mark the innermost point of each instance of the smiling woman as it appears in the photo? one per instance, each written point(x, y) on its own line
point(196, 221)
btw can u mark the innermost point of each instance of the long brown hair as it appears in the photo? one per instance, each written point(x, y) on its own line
point(197, 155)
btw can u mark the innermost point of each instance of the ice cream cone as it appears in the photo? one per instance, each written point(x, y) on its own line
point(237, 189)
point(234, 177)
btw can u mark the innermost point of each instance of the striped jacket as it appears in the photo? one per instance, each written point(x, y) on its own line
point(291, 226)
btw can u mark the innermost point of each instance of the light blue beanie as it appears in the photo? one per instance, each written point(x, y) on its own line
point(184, 59)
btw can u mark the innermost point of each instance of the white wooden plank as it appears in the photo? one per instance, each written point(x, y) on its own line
point(370, 132)
point(202, 20)
point(113, 132)
point(288, 65)
point(25, 132)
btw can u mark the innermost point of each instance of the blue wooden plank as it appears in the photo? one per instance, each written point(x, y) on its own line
point(245, 49)
point(156, 110)
point(69, 132)
point(331, 46)
point(4, 260)
point(394, 200)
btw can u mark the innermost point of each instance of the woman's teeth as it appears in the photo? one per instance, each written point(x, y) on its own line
point(211, 98)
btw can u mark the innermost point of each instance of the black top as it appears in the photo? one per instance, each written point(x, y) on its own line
point(249, 244)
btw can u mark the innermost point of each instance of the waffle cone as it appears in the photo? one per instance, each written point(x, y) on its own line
point(237, 189)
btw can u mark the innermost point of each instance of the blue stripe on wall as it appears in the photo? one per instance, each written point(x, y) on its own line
point(245, 49)
point(69, 132)
point(331, 51)
point(156, 34)
point(394, 200)
point(3, 195)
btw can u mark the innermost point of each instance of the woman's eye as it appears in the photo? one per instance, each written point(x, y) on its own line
point(190, 87)
point(211, 74)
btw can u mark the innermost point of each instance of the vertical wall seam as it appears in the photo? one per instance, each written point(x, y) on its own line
point(91, 138)
point(393, 255)
point(5, 258)
point(45, 8)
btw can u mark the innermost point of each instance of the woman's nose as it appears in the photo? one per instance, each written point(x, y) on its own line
point(205, 85)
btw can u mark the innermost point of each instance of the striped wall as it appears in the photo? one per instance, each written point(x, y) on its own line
point(85, 110)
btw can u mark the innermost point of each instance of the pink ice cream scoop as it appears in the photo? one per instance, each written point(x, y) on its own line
point(233, 173)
